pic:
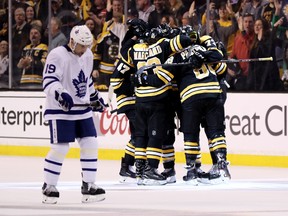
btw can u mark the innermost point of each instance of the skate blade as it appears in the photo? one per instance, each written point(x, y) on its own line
point(139, 181)
point(127, 180)
point(49, 200)
point(220, 180)
point(91, 198)
point(203, 180)
point(193, 182)
point(154, 182)
point(171, 179)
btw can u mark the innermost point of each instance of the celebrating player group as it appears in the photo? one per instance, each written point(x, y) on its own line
point(161, 73)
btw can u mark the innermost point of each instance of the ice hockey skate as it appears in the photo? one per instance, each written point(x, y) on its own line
point(219, 172)
point(200, 174)
point(92, 193)
point(140, 165)
point(153, 177)
point(191, 177)
point(127, 173)
point(170, 175)
point(50, 194)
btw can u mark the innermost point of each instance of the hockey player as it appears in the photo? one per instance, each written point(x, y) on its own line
point(200, 94)
point(125, 97)
point(151, 102)
point(67, 82)
point(192, 149)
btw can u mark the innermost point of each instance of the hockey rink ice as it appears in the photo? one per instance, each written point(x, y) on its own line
point(253, 191)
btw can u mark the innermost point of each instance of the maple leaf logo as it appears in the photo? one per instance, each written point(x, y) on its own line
point(80, 84)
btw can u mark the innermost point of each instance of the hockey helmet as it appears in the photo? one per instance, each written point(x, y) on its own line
point(174, 32)
point(165, 30)
point(154, 35)
point(81, 35)
point(139, 27)
point(192, 33)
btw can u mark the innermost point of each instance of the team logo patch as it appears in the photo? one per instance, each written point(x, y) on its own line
point(80, 84)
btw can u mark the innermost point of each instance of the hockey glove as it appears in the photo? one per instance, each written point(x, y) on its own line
point(64, 99)
point(197, 58)
point(140, 79)
point(97, 103)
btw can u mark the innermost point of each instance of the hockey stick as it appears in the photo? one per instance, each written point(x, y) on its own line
point(228, 61)
point(113, 111)
point(93, 104)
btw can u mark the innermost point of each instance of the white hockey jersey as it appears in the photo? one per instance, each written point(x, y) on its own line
point(65, 70)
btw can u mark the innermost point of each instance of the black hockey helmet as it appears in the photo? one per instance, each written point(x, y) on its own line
point(139, 27)
point(192, 33)
point(165, 30)
point(153, 35)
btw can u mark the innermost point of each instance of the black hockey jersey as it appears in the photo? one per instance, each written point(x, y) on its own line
point(38, 54)
point(143, 54)
point(198, 83)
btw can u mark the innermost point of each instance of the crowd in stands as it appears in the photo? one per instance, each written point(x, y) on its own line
point(247, 29)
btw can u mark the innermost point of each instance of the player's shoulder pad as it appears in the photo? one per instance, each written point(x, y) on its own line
point(205, 38)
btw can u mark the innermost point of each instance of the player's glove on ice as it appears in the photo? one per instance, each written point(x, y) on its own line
point(64, 99)
point(97, 102)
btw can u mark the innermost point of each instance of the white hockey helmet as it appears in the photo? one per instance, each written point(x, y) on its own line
point(82, 35)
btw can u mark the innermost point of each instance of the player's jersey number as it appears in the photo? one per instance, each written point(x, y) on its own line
point(204, 71)
point(50, 68)
point(150, 61)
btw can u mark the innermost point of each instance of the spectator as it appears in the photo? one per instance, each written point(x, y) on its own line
point(4, 63)
point(114, 7)
point(41, 12)
point(58, 38)
point(225, 28)
point(238, 73)
point(107, 51)
point(213, 13)
point(161, 9)
point(264, 76)
point(170, 20)
point(32, 61)
point(56, 7)
point(37, 22)
point(177, 9)
point(97, 12)
point(20, 38)
point(268, 11)
point(30, 14)
point(94, 28)
point(4, 24)
point(254, 7)
point(144, 7)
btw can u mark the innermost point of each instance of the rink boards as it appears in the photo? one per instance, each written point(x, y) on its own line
point(256, 129)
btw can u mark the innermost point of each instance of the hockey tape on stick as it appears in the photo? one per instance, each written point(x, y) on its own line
point(227, 61)
point(245, 60)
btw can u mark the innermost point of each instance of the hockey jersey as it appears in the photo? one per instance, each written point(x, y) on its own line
point(143, 54)
point(198, 83)
point(65, 70)
point(38, 54)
